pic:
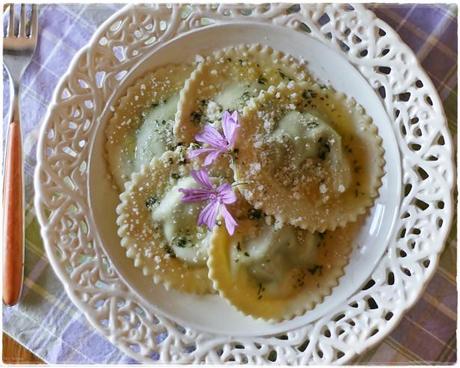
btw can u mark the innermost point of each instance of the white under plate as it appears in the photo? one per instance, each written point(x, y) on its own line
point(396, 251)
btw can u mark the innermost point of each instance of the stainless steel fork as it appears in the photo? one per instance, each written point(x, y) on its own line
point(18, 48)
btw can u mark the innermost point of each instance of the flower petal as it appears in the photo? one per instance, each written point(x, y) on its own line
point(230, 222)
point(211, 157)
point(211, 136)
point(202, 178)
point(195, 195)
point(196, 152)
point(226, 194)
point(208, 215)
point(230, 126)
point(226, 116)
point(235, 116)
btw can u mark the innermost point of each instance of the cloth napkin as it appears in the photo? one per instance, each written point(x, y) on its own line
point(49, 325)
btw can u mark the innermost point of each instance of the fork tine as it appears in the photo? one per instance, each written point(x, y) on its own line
point(34, 21)
point(11, 22)
point(22, 21)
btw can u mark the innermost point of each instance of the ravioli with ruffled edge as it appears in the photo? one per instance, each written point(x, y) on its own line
point(226, 80)
point(276, 272)
point(141, 127)
point(159, 231)
point(309, 156)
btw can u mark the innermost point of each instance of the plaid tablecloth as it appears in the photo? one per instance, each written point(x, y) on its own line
point(48, 324)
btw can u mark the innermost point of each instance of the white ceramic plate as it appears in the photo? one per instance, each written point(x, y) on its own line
point(398, 246)
point(205, 313)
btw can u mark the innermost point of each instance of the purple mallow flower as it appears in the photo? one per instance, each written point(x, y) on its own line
point(217, 142)
point(217, 197)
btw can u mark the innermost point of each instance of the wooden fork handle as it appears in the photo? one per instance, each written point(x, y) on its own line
point(13, 217)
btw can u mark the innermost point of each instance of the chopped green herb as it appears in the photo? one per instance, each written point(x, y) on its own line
point(234, 155)
point(260, 290)
point(262, 80)
point(324, 148)
point(195, 117)
point(246, 96)
point(182, 159)
point(316, 268)
point(238, 247)
point(246, 254)
point(181, 242)
point(150, 202)
point(170, 251)
point(254, 214)
point(321, 239)
point(300, 280)
point(175, 176)
point(312, 124)
point(308, 94)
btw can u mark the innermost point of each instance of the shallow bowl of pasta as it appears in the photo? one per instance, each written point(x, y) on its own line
point(326, 66)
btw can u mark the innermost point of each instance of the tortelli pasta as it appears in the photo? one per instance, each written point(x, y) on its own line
point(277, 273)
point(311, 157)
point(227, 80)
point(141, 127)
point(159, 231)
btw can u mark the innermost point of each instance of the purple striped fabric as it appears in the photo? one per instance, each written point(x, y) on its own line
point(48, 324)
